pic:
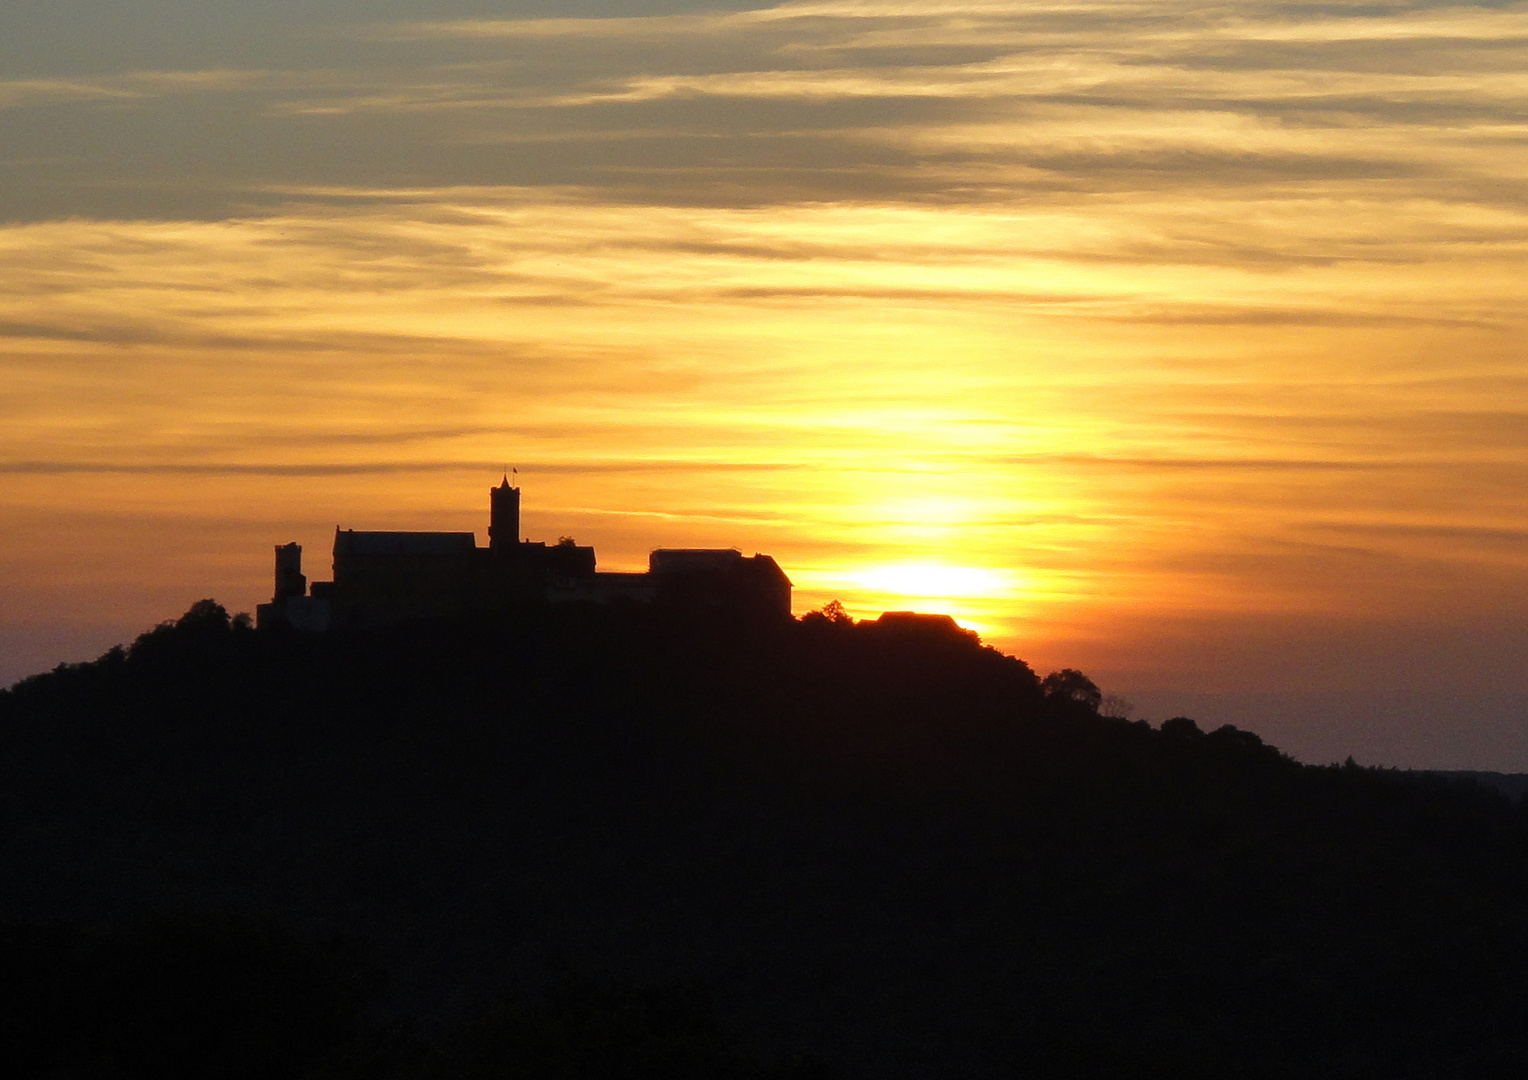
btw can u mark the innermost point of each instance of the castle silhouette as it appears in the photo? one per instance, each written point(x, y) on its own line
point(391, 577)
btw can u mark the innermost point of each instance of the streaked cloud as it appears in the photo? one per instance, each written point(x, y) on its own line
point(954, 102)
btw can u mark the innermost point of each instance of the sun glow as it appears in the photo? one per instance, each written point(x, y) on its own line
point(983, 599)
point(932, 580)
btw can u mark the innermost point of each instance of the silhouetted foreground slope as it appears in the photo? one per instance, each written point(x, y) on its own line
point(608, 844)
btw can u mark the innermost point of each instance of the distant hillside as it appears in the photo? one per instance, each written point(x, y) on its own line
point(1513, 785)
point(607, 842)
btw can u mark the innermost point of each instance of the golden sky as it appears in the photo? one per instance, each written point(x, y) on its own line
point(1181, 343)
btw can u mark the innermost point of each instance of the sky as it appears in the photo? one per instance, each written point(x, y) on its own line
point(1181, 343)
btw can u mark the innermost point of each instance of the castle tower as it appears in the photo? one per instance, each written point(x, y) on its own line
point(504, 517)
point(290, 580)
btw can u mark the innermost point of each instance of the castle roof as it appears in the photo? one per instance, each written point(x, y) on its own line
point(693, 560)
point(684, 562)
point(351, 542)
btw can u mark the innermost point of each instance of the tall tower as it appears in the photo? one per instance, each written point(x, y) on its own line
point(290, 580)
point(504, 517)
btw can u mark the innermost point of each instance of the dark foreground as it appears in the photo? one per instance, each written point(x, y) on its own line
point(621, 845)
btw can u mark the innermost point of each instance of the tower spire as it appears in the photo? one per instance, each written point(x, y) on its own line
point(504, 516)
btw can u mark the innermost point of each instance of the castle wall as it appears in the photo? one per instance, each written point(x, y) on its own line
point(375, 588)
point(720, 581)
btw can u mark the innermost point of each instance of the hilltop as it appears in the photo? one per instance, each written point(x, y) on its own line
point(886, 849)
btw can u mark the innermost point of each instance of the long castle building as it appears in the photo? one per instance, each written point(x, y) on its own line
point(392, 577)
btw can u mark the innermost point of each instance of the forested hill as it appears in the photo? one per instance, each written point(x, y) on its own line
point(594, 843)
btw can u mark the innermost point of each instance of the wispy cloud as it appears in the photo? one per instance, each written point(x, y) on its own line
point(976, 103)
point(374, 468)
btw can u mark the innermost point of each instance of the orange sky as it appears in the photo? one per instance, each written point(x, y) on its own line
point(1181, 345)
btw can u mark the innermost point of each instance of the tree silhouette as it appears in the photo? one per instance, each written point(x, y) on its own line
point(832, 613)
point(1071, 686)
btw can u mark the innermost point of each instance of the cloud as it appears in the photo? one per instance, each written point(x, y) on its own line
point(960, 102)
point(1509, 539)
point(377, 468)
point(1229, 463)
